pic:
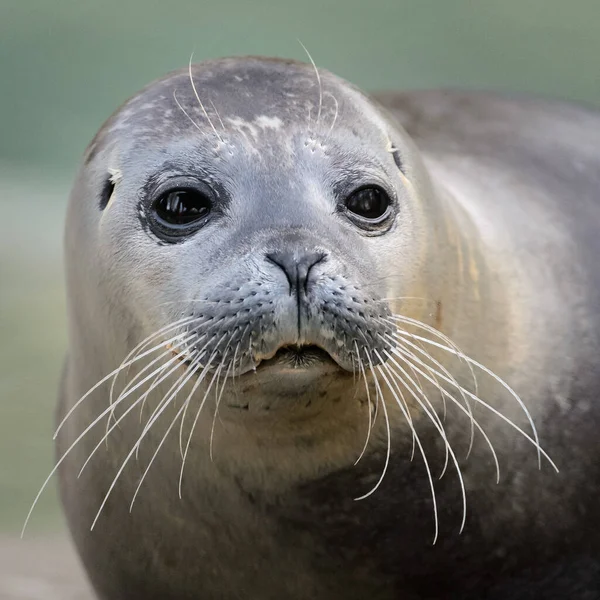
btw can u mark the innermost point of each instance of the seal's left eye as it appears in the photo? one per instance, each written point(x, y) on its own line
point(181, 207)
point(369, 203)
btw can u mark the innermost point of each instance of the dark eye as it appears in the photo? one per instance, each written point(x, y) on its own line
point(370, 203)
point(181, 207)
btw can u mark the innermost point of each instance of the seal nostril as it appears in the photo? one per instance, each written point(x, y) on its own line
point(296, 266)
point(288, 269)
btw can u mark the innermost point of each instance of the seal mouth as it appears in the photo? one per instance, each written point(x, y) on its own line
point(290, 356)
point(298, 357)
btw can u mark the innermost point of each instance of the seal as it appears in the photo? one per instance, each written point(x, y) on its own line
point(331, 346)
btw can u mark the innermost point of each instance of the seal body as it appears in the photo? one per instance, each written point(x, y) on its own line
point(320, 277)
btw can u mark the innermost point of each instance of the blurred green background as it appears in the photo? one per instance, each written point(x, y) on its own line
point(66, 65)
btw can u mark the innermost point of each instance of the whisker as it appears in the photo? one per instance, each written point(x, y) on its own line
point(335, 116)
point(187, 115)
point(186, 321)
point(171, 393)
point(395, 340)
point(200, 101)
point(212, 429)
point(119, 472)
point(370, 427)
point(132, 382)
point(184, 344)
point(498, 380)
point(104, 380)
point(141, 399)
point(318, 82)
point(421, 450)
point(433, 416)
point(457, 404)
point(376, 395)
point(448, 449)
point(187, 446)
point(504, 418)
point(63, 458)
point(407, 416)
point(133, 450)
point(191, 371)
point(389, 435)
point(202, 351)
point(174, 359)
point(218, 115)
point(441, 336)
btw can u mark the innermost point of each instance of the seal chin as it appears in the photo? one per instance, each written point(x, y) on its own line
point(307, 374)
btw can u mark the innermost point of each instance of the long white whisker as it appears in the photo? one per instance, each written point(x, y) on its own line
point(389, 434)
point(132, 382)
point(172, 392)
point(124, 464)
point(376, 395)
point(160, 378)
point(218, 115)
point(370, 427)
point(103, 380)
point(427, 468)
point(497, 379)
point(433, 372)
point(407, 414)
point(455, 402)
point(429, 411)
point(212, 429)
point(202, 352)
point(169, 398)
point(187, 446)
point(318, 82)
point(499, 414)
point(200, 101)
point(458, 352)
point(62, 459)
point(183, 345)
point(122, 396)
point(186, 114)
point(395, 340)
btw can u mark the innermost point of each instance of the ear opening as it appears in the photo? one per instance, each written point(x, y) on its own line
point(107, 192)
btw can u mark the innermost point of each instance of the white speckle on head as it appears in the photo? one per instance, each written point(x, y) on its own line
point(266, 122)
point(259, 124)
point(243, 126)
point(147, 106)
point(115, 175)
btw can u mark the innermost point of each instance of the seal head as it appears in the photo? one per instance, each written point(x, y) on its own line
point(269, 228)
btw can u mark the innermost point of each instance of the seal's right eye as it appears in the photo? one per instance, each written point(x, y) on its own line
point(178, 207)
point(181, 207)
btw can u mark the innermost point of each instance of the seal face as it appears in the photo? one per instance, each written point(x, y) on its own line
point(276, 302)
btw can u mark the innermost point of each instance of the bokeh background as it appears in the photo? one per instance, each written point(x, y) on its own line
point(66, 65)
